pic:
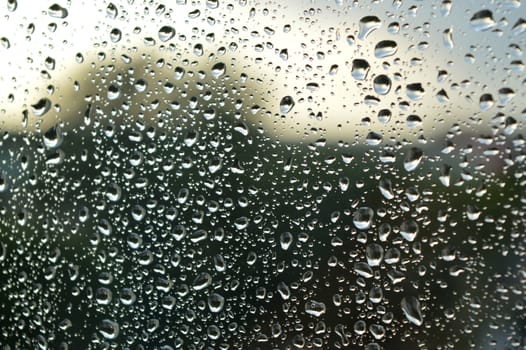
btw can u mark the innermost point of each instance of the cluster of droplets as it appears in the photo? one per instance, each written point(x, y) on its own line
point(165, 213)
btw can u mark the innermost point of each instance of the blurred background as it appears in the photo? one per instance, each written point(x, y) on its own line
point(247, 175)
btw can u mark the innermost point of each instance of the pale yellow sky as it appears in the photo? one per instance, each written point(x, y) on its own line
point(315, 70)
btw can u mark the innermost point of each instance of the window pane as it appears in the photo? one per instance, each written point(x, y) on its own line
point(277, 175)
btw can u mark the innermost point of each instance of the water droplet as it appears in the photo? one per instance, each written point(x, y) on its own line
point(385, 48)
point(482, 20)
point(109, 329)
point(373, 139)
point(374, 254)
point(166, 33)
point(445, 8)
point(360, 69)
point(53, 137)
point(409, 230)
point(519, 27)
point(114, 92)
point(447, 38)
point(286, 104)
point(216, 302)
point(486, 101)
point(41, 107)
point(413, 121)
point(283, 290)
point(286, 240)
point(363, 218)
point(415, 91)
point(57, 11)
point(505, 95)
point(412, 310)
point(115, 35)
point(12, 5)
point(111, 11)
point(384, 116)
point(363, 269)
point(386, 188)
point(202, 281)
point(382, 84)
point(218, 70)
point(315, 308)
point(413, 158)
point(367, 25)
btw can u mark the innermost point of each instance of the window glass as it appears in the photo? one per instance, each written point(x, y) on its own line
point(235, 174)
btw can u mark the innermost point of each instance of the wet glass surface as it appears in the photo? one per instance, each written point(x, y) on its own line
point(262, 175)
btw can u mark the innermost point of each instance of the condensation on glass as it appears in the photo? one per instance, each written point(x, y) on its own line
point(239, 174)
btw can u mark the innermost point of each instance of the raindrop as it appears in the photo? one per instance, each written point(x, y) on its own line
point(363, 218)
point(413, 158)
point(363, 269)
point(111, 11)
point(447, 38)
point(482, 20)
point(218, 70)
point(415, 91)
point(285, 240)
point(412, 310)
point(109, 329)
point(385, 48)
point(57, 11)
point(166, 33)
point(286, 104)
point(486, 101)
point(12, 5)
point(315, 308)
point(374, 253)
point(41, 107)
point(53, 137)
point(367, 25)
point(202, 281)
point(386, 188)
point(384, 116)
point(115, 35)
point(382, 84)
point(409, 230)
point(360, 69)
point(216, 302)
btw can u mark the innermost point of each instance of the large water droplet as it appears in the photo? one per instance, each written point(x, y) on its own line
point(57, 11)
point(482, 20)
point(286, 104)
point(412, 310)
point(367, 25)
point(109, 329)
point(374, 254)
point(409, 230)
point(385, 48)
point(41, 107)
point(360, 69)
point(363, 218)
point(382, 84)
point(166, 33)
point(315, 308)
point(413, 158)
